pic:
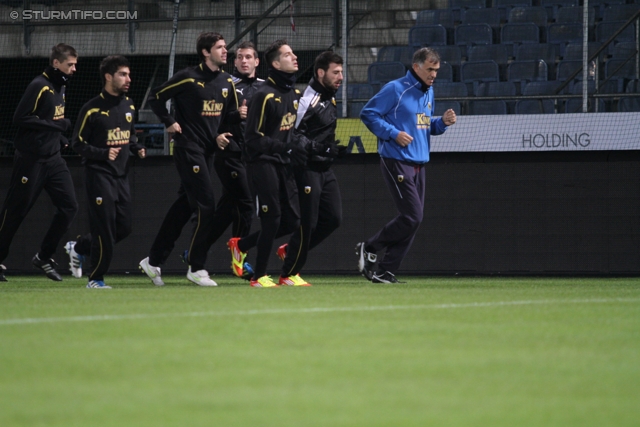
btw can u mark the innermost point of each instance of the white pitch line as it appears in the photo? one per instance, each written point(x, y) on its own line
point(104, 317)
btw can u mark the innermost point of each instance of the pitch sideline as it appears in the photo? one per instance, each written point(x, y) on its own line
point(310, 310)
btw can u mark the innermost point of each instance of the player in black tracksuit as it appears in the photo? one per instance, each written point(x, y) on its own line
point(236, 203)
point(318, 190)
point(271, 148)
point(105, 136)
point(204, 97)
point(38, 164)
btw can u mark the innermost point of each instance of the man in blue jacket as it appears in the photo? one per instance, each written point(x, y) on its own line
point(400, 115)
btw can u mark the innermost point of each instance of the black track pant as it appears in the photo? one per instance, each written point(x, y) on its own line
point(110, 216)
point(28, 179)
point(196, 197)
point(236, 203)
point(277, 206)
point(320, 215)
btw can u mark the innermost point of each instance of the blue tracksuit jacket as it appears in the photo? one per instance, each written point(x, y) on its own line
point(402, 105)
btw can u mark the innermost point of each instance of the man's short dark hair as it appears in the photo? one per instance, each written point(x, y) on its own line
point(273, 52)
point(206, 41)
point(325, 59)
point(61, 52)
point(247, 45)
point(111, 65)
point(425, 54)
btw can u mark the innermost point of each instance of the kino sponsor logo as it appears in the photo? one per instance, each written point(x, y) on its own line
point(117, 136)
point(423, 121)
point(288, 122)
point(212, 108)
point(59, 113)
point(555, 140)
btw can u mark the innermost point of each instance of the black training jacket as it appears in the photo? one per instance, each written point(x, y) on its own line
point(246, 87)
point(104, 122)
point(270, 122)
point(317, 116)
point(40, 116)
point(203, 99)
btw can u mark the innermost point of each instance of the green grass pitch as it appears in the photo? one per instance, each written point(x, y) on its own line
point(429, 352)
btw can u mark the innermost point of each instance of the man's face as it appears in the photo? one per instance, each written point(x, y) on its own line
point(332, 78)
point(287, 62)
point(120, 81)
point(246, 62)
point(68, 66)
point(218, 54)
point(427, 72)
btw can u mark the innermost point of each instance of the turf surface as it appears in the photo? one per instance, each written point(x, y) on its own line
point(345, 352)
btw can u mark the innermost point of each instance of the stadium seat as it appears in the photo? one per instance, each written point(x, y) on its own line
point(540, 88)
point(619, 12)
point(608, 86)
point(505, 6)
point(427, 35)
point(492, 52)
point(473, 73)
point(496, 89)
point(451, 54)
point(620, 70)
point(573, 51)
point(362, 91)
point(523, 72)
point(553, 6)
point(563, 34)
point(442, 17)
point(479, 108)
point(518, 34)
point(380, 73)
point(573, 15)
point(442, 106)
point(628, 104)
point(624, 50)
point(532, 51)
point(533, 14)
point(445, 74)
point(468, 35)
point(601, 5)
point(449, 90)
point(567, 68)
point(402, 54)
point(460, 6)
point(538, 106)
point(574, 105)
point(606, 29)
point(488, 16)
point(535, 106)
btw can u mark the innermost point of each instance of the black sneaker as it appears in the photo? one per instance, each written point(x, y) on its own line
point(366, 261)
point(48, 266)
point(385, 277)
point(2, 270)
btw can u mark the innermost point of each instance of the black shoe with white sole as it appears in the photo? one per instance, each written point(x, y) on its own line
point(48, 266)
point(366, 260)
point(385, 277)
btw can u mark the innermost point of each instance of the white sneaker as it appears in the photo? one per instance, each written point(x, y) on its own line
point(200, 278)
point(154, 273)
point(75, 259)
